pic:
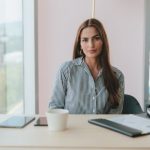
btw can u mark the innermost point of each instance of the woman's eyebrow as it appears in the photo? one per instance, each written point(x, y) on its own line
point(96, 35)
point(90, 37)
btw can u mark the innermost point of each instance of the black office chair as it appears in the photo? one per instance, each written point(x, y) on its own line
point(131, 105)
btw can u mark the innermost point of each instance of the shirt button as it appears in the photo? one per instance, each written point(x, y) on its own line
point(93, 110)
point(93, 98)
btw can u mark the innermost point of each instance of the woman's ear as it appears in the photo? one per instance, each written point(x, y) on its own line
point(81, 52)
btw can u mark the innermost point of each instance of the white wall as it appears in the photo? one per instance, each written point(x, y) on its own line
point(58, 21)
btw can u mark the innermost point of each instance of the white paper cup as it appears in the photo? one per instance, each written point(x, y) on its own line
point(57, 119)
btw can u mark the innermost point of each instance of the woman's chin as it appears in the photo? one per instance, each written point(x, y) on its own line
point(92, 56)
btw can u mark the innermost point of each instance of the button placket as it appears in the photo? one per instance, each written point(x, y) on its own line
point(93, 97)
point(94, 102)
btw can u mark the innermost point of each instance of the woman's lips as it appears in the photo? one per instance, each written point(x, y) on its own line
point(91, 51)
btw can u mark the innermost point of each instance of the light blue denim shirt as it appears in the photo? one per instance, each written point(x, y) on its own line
point(76, 90)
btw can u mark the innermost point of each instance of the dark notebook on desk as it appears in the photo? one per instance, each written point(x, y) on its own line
point(116, 127)
point(129, 125)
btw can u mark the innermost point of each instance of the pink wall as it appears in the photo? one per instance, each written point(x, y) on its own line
point(58, 21)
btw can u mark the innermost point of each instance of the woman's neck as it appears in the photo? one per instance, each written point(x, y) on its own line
point(94, 67)
point(92, 63)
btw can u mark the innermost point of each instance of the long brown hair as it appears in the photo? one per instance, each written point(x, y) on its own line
point(110, 81)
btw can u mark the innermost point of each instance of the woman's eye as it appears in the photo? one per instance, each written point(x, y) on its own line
point(84, 40)
point(97, 38)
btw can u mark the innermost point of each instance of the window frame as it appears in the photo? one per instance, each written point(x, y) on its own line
point(30, 104)
point(147, 55)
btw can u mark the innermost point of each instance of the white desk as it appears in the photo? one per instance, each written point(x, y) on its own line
point(80, 135)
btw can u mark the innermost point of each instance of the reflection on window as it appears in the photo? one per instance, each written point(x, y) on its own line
point(11, 57)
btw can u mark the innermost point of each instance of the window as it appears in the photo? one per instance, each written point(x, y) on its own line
point(147, 53)
point(16, 45)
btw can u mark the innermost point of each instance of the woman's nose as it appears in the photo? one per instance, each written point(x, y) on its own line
point(91, 43)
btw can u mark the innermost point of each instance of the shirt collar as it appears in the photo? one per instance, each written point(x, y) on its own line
point(80, 62)
point(100, 72)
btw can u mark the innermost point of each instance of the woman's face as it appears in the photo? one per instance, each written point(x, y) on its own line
point(91, 42)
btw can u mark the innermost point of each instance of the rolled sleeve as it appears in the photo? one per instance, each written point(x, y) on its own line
point(59, 91)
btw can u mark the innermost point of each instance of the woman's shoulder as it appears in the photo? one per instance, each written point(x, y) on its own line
point(117, 71)
point(67, 65)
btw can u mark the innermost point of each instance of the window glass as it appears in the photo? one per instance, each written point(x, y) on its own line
point(147, 54)
point(11, 57)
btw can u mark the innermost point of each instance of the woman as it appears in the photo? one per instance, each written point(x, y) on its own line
point(89, 84)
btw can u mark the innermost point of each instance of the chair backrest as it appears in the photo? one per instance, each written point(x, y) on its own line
point(131, 105)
